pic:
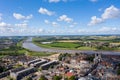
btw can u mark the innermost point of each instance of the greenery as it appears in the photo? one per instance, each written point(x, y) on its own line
point(29, 78)
point(87, 48)
point(57, 77)
point(43, 78)
point(2, 69)
point(62, 56)
point(1, 56)
point(10, 78)
point(90, 58)
point(72, 78)
point(32, 53)
point(64, 45)
point(62, 42)
point(17, 49)
point(80, 44)
point(118, 72)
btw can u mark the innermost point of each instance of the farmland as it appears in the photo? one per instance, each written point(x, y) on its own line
point(106, 43)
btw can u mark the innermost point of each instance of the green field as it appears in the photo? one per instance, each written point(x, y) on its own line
point(78, 44)
point(64, 45)
point(1, 56)
point(31, 53)
point(18, 50)
point(86, 48)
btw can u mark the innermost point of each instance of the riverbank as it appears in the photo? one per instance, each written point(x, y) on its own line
point(32, 47)
point(84, 45)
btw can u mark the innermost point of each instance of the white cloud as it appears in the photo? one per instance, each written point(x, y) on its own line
point(20, 16)
point(5, 28)
point(108, 29)
point(109, 13)
point(81, 31)
point(100, 9)
point(54, 23)
point(19, 29)
point(25, 21)
point(29, 17)
point(73, 24)
point(40, 30)
point(95, 20)
point(93, 0)
point(65, 18)
point(3, 24)
point(51, 23)
point(56, 1)
point(21, 25)
point(51, 31)
point(0, 16)
point(102, 30)
point(45, 11)
point(46, 21)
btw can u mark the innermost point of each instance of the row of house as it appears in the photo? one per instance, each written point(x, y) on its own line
point(47, 65)
point(18, 75)
point(29, 66)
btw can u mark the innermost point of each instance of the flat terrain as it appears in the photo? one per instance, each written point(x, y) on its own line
point(107, 43)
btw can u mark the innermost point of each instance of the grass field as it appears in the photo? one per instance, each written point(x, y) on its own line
point(79, 44)
point(31, 53)
point(1, 56)
point(86, 48)
point(64, 45)
point(68, 41)
point(18, 50)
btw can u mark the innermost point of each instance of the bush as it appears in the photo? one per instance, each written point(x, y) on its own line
point(57, 77)
point(118, 72)
point(72, 78)
point(43, 78)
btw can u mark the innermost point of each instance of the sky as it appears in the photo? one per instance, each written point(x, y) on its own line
point(59, 17)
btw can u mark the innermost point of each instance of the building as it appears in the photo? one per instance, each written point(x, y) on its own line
point(47, 65)
point(18, 75)
point(97, 58)
point(33, 61)
point(38, 64)
point(4, 74)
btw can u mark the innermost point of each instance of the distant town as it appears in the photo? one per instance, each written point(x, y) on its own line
point(60, 58)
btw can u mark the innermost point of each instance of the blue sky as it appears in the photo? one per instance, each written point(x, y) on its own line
point(59, 17)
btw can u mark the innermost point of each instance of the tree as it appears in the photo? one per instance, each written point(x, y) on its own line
point(11, 79)
point(2, 69)
point(118, 72)
point(90, 58)
point(29, 78)
point(72, 78)
point(62, 56)
point(43, 78)
point(57, 77)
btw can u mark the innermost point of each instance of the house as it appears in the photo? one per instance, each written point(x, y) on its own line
point(47, 65)
point(18, 75)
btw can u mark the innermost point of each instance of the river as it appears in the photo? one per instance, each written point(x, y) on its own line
point(31, 46)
